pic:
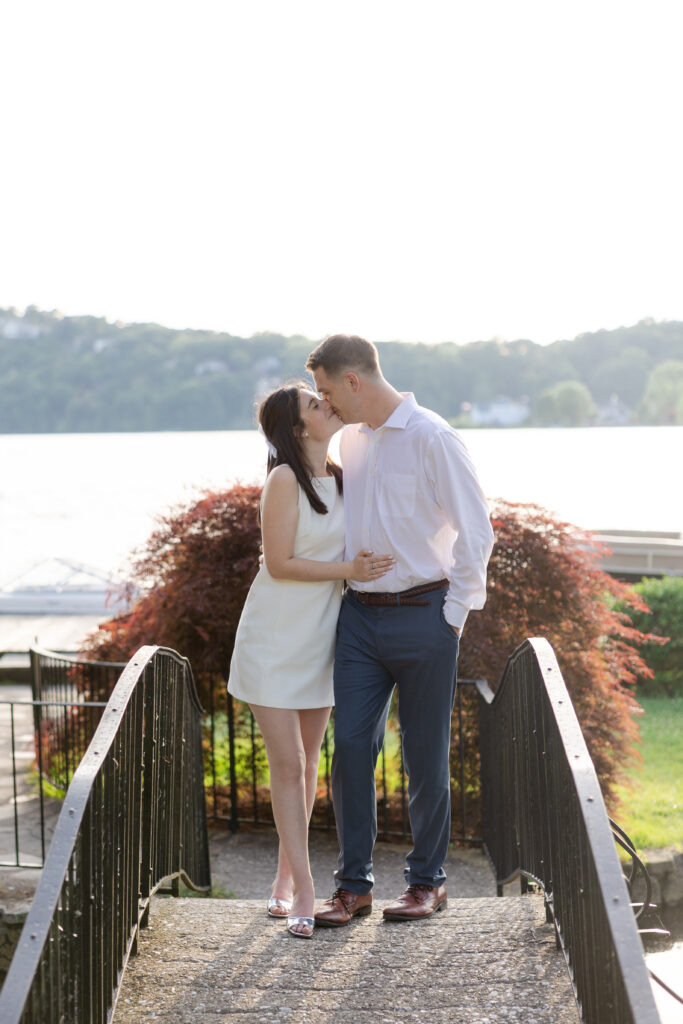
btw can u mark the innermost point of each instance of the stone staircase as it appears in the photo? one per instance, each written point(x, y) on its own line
point(480, 961)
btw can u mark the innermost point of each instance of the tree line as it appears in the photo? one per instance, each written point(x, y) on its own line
point(71, 374)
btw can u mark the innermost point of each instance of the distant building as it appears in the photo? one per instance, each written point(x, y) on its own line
point(501, 412)
point(100, 344)
point(613, 413)
point(210, 366)
point(17, 329)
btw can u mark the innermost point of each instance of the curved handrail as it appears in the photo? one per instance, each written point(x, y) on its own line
point(134, 816)
point(545, 818)
point(74, 659)
point(67, 695)
point(638, 868)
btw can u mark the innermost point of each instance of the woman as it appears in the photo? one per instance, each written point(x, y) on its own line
point(284, 647)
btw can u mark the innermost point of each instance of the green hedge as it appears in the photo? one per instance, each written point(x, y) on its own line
point(664, 597)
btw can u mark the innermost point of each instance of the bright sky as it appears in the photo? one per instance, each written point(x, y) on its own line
point(433, 170)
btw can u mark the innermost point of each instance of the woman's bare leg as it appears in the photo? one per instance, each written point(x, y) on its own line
point(313, 723)
point(282, 883)
point(289, 790)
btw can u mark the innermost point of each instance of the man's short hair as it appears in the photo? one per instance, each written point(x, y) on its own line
point(341, 352)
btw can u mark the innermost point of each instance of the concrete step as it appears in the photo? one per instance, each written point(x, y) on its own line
point(479, 961)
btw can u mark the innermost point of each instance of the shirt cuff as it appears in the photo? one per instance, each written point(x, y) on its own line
point(455, 613)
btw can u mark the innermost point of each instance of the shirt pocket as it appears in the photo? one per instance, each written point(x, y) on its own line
point(397, 495)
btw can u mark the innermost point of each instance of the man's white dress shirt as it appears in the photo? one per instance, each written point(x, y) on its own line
point(411, 490)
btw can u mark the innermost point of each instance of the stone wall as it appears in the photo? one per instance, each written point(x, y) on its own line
point(666, 871)
point(11, 923)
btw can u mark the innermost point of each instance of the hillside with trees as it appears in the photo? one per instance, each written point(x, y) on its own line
point(71, 374)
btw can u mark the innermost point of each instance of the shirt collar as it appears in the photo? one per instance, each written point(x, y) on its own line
point(399, 417)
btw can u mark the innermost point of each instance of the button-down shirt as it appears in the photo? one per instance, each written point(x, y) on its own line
point(411, 490)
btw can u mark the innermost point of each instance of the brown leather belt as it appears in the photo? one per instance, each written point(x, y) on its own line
point(403, 597)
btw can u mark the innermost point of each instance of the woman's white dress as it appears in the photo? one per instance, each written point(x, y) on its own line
point(284, 647)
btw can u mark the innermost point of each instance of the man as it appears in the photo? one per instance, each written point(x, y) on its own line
point(410, 490)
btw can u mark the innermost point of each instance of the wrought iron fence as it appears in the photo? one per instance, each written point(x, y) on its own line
point(61, 677)
point(236, 769)
point(55, 754)
point(544, 819)
point(69, 695)
point(134, 819)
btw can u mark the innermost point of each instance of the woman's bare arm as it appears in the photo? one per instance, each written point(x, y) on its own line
point(279, 519)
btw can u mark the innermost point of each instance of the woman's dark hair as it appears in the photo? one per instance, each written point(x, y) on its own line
point(279, 416)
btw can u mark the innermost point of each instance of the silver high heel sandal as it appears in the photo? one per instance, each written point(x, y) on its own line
point(308, 921)
point(278, 907)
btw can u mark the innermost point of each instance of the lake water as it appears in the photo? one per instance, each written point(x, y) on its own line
point(92, 498)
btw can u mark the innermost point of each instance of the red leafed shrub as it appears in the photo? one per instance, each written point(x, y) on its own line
point(544, 580)
point(195, 571)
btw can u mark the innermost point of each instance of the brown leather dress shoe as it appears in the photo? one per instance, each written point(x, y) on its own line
point(341, 907)
point(416, 902)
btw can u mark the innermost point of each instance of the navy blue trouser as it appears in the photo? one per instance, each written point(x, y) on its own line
point(414, 649)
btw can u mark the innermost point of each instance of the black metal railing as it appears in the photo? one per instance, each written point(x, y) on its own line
point(237, 772)
point(544, 819)
point(24, 840)
point(69, 695)
point(134, 818)
point(236, 768)
point(61, 677)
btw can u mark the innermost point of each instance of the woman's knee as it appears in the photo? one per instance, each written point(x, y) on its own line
point(288, 766)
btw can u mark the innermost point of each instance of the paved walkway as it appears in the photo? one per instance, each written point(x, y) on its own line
point(243, 865)
point(480, 961)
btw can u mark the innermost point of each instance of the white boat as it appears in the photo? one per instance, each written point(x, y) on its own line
point(57, 587)
point(56, 603)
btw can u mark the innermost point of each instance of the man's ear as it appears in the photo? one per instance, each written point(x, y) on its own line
point(352, 380)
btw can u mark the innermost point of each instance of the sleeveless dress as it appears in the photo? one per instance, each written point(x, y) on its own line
point(284, 646)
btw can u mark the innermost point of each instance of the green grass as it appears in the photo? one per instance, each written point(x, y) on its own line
point(49, 791)
point(652, 806)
